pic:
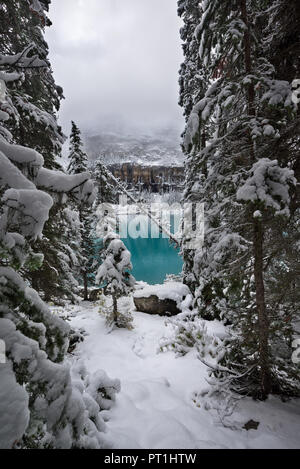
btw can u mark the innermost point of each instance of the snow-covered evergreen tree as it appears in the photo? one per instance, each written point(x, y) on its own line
point(57, 279)
point(193, 80)
point(38, 100)
point(243, 113)
point(89, 249)
point(38, 394)
point(281, 29)
point(108, 194)
point(114, 273)
point(43, 402)
point(77, 157)
point(87, 242)
point(34, 124)
point(192, 83)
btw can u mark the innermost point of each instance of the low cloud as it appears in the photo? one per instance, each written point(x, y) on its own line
point(117, 61)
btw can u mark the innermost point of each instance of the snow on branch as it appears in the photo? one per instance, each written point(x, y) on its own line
point(29, 210)
point(279, 92)
point(11, 176)
point(80, 185)
point(40, 116)
point(200, 113)
point(8, 77)
point(14, 412)
point(269, 184)
point(23, 60)
point(21, 155)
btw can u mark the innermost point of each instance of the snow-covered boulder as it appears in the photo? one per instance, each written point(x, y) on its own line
point(168, 299)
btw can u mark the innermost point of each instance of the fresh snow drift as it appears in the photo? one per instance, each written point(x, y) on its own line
point(155, 407)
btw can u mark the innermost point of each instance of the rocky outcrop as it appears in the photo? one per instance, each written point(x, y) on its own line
point(145, 162)
point(155, 179)
point(153, 305)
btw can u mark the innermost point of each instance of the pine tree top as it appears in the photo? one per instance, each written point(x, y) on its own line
point(78, 158)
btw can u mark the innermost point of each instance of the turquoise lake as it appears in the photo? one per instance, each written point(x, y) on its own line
point(153, 259)
point(152, 254)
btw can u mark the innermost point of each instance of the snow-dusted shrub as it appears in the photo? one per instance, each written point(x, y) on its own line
point(124, 319)
point(103, 389)
point(114, 272)
point(75, 337)
point(188, 332)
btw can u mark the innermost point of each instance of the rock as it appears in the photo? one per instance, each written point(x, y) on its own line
point(94, 294)
point(251, 425)
point(155, 178)
point(167, 299)
point(153, 305)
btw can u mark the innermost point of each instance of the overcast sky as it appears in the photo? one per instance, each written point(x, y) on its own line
point(117, 61)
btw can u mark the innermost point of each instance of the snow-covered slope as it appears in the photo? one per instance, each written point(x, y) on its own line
point(160, 149)
point(155, 408)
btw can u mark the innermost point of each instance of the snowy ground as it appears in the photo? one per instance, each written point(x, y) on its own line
point(154, 409)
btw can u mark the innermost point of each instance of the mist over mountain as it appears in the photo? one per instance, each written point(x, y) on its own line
point(118, 146)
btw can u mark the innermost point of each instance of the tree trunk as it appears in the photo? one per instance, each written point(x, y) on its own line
point(248, 69)
point(85, 286)
point(263, 322)
point(115, 308)
point(248, 59)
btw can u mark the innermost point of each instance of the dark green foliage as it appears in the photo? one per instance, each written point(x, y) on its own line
point(39, 98)
point(77, 157)
point(56, 280)
point(87, 246)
